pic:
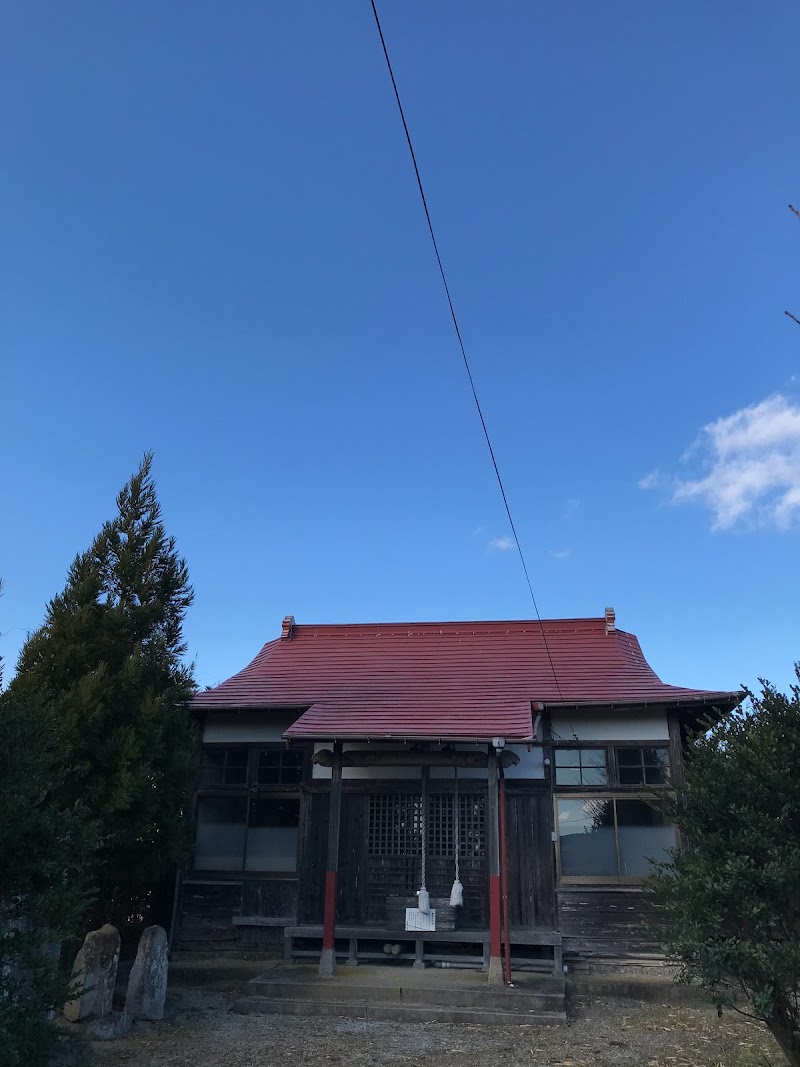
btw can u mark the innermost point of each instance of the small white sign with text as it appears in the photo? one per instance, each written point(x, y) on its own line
point(420, 920)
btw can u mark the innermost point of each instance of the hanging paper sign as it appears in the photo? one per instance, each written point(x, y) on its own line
point(420, 920)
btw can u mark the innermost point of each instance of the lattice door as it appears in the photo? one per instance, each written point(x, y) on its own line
point(394, 850)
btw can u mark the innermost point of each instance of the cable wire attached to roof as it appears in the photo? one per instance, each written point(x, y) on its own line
point(461, 346)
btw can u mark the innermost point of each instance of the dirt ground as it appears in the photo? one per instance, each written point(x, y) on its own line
point(201, 1031)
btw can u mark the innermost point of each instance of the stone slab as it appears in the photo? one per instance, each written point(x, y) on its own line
point(147, 985)
point(94, 975)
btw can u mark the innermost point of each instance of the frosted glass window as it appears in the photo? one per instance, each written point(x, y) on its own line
point(587, 838)
point(272, 835)
point(219, 843)
point(643, 835)
point(611, 838)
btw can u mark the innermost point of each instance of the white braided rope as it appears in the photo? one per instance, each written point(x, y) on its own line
point(456, 821)
point(424, 831)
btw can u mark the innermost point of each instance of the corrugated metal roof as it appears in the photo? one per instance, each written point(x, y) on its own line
point(452, 680)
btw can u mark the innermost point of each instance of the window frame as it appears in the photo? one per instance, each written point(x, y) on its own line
point(242, 871)
point(251, 791)
point(580, 747)
point(600, 879)
point(616, 748)
point(612, 767)
point(282, 750)
point(251, 783)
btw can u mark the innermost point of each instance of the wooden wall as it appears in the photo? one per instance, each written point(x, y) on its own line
point(530, 858)
point(605, 922)
point(596, 921)
point(366, 881)
point(206, 914)
point(270, 898)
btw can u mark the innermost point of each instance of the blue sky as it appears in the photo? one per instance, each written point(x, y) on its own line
point(211, 245)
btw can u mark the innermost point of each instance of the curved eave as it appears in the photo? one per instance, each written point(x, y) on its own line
point(728, 700)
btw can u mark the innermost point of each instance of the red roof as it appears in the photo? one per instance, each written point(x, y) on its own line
point(452, 680)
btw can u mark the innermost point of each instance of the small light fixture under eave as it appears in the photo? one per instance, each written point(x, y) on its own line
point(498, 743)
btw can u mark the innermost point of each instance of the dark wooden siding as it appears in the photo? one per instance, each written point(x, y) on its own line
point(365, 881)
point(313, 858)
point(270, 898)
point(353, 888)
point(206, 915)
point(401, 876)
point(601, 922)
point(529, 822)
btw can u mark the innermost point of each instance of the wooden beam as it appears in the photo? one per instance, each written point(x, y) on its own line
point(675, 749)
point(327, 963)
point(393, 758)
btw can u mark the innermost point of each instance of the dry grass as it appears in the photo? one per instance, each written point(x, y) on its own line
point(202, 1032)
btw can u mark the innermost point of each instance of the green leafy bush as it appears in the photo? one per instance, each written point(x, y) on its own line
point(731, 893)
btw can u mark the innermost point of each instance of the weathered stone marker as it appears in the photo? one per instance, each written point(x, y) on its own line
point(147, 985)
point(94, 975)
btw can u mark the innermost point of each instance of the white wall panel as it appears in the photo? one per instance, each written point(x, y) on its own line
point(531, 762)
point(264, 726)
point(642, 725)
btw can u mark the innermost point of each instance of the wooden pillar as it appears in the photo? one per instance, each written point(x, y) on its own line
point(549, 854)
point(493, 857)
point(504, 878)
point(327, 962)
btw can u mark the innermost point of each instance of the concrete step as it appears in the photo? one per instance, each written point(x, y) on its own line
point(220, 972)
point(474, 995)
point(396, 1012)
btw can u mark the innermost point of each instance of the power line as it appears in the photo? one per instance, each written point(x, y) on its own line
point(461, 345)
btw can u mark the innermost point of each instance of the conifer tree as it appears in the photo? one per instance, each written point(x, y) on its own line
point(109, 660)
point(46, 852)
point(46, 859)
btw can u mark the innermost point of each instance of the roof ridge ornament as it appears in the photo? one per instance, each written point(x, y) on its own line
point(287, 627)
point(611, 621)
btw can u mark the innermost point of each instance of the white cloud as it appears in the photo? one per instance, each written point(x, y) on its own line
point(561, 553)
point(750, 468)
point(501, 544)
point(651, 480)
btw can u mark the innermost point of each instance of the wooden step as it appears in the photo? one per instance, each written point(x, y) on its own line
point(546, 996)
point(396, 1012)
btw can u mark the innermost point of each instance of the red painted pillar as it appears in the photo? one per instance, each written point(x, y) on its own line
point(327, 962)
point(493, 857)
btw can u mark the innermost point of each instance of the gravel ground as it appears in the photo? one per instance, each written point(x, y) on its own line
point(201, 1031)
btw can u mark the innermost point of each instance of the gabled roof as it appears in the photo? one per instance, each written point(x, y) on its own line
point(452, 680)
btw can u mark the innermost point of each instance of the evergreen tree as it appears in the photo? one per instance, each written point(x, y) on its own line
point(731, 894)
point(109, 659)
point(46, 851)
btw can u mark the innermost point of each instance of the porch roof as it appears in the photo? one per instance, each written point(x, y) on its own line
point(448, 681)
